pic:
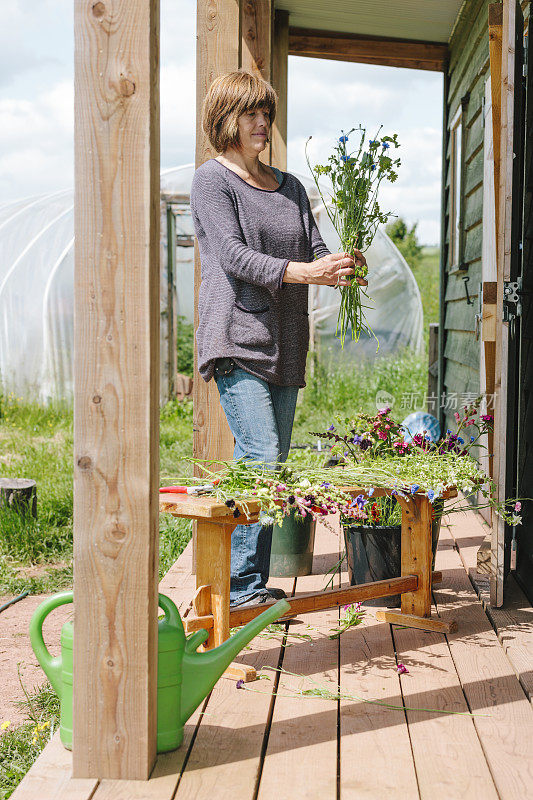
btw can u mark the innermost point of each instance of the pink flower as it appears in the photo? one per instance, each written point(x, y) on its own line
point(517, 506)
point(382, 435)
point(457, 417)
point(401, 669)
point(469, 422)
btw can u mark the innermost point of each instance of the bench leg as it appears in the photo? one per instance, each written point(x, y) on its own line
point(416, 554)
point(213, 562)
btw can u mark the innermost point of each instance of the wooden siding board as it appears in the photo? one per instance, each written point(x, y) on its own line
point(464, 27)
point(473, 54)
point(474, 208)
point(473, 243)
point(455, 288)
point(474, 135)
point(459, 316)
point(474, 173)
point(462, 346)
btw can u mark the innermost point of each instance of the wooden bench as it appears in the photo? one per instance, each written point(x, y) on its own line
point(211, 606)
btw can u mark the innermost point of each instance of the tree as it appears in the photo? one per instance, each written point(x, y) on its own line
point(406, 240)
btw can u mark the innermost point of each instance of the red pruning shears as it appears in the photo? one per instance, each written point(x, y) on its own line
point(206, 488)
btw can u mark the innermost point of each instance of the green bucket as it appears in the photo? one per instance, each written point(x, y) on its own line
point(292, 547)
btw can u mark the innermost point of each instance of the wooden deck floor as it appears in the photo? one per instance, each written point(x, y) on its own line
point(267, 742)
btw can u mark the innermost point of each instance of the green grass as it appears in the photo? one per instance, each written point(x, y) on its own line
point(426, 272)
point(21, 744)
point(346, 390)
point(37, 443)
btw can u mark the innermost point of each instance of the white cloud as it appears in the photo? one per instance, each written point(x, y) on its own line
point(36, 107)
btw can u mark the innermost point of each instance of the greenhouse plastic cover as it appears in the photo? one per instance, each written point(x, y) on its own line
point(37, 289)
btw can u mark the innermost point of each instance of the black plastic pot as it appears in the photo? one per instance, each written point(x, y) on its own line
point(292, 547)
point(373, 553)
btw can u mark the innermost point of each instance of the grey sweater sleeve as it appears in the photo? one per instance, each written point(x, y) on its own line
point(213, 207)
point(318, 246)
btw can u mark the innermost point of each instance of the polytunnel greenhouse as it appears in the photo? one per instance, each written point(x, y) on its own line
point(37, 290)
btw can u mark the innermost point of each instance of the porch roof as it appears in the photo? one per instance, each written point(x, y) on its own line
point(415, 20)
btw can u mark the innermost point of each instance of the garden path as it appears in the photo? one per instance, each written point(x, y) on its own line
point(254, 743)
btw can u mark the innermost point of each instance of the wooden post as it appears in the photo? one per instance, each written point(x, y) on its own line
point(280, 64)
point(116, 407)
point(433, 369)
point(217, 52)
point(416, 553)
point(504, 244)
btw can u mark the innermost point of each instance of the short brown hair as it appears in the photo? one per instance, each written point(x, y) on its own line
point(228, 97)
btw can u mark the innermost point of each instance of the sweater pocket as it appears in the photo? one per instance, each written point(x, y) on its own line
point(251, 325)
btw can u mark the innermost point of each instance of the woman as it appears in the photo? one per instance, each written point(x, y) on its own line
point(260, 248)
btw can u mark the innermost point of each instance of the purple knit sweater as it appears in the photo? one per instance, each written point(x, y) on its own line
point(246, 237)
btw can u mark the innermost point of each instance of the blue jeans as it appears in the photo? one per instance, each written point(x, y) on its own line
point(260, 416)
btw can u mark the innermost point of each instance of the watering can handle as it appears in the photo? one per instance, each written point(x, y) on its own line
point(50, 665)
point(172, 616)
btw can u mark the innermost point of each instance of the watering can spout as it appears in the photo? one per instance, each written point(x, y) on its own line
point(202, 670)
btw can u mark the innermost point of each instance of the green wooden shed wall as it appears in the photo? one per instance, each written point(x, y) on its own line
point(468, 69)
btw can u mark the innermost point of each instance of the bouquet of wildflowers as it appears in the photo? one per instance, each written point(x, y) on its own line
point(355, 214)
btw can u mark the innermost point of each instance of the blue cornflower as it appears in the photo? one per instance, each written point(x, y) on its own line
point(461, 441)
point(448, 431)
point(325, 483)
point(343, 138)
point(431, 495)
point(471, 438)
point(357, 439)
point(373, 141)
point(331, 428)
point(414, 488)
point(372, 168)
point(385, 145)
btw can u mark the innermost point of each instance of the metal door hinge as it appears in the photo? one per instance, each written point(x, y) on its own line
point(512, 305)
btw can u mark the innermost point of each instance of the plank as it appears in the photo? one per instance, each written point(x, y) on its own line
point(461, 346)
point(489, 683)
point(432, 682)
point(116, 387)
point(50, 777)
point(473, 242)
point(165, 776)
point(225, 758)
point(302, 740)
point(473, 213)
point(460, 316)
point(179, 582)
point(361, 49)
point(204, 507)
point(473, 173)
point(372, 736)
point(513, 622)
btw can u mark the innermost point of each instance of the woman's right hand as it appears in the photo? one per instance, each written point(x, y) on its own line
point(335, 269)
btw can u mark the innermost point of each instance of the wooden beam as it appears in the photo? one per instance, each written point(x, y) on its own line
point(504, 230)
point(368, 49)
point(256, 27)
point(217, 52)
point(495, 50)
point(116, 384)
point(280, 64)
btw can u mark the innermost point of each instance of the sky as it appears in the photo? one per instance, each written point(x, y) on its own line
point(324, 98)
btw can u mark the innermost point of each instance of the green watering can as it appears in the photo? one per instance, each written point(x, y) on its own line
point(184, 677)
